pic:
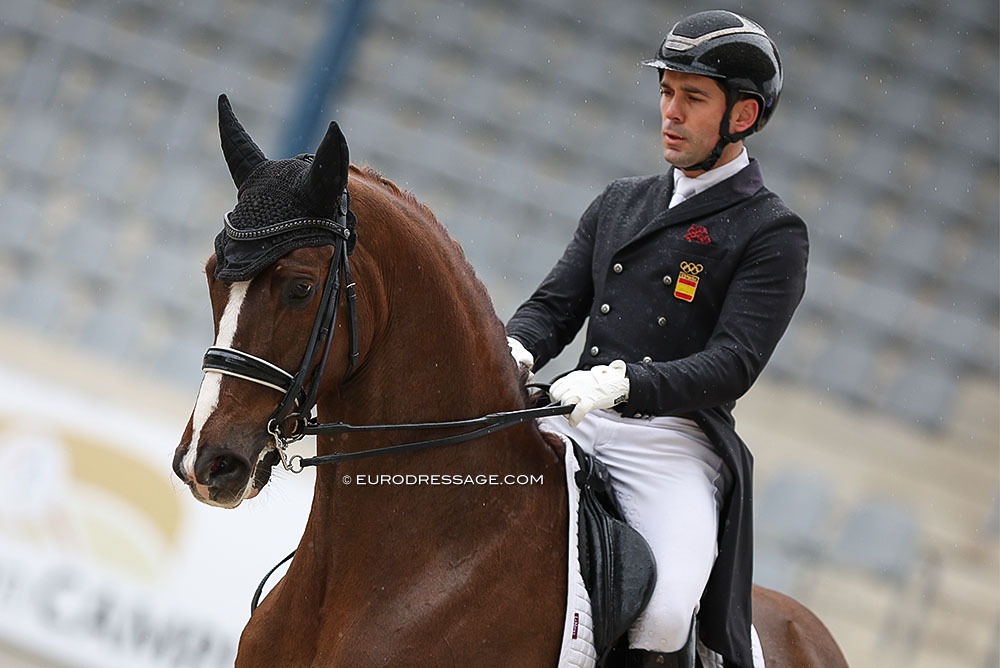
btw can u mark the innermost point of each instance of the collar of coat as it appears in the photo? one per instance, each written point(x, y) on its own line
point(741, 186)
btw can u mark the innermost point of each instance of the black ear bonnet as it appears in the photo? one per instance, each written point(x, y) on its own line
point(274, 216)
point(281, 205)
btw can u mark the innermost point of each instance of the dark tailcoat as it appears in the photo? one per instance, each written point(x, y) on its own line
point(695, 321)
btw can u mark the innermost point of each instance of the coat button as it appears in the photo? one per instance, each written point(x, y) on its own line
point(594, 350)
point(667, 280)
point(647, 359)
point(605, 308)
point(661, 321)
point(617, 268)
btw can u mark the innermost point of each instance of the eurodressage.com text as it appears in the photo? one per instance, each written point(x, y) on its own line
point(413, 479)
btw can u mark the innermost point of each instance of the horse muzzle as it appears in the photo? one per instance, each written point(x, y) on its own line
point(225, 476)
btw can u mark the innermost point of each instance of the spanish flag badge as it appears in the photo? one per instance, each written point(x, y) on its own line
point(687, 281)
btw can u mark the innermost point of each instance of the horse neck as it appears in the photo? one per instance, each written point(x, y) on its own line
point(433, 348)
point(421, 510)
point(434, 351)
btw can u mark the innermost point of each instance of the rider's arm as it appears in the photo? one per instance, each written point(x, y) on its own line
point(549, 320)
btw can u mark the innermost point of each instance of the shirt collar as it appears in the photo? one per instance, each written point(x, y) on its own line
point(712, 176)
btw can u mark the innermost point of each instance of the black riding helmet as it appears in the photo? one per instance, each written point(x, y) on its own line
point(734, 51)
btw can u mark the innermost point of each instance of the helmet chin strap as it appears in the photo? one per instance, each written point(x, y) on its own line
point(725, 138)
point(713, 157)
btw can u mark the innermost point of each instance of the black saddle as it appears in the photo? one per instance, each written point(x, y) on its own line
point(617, 564)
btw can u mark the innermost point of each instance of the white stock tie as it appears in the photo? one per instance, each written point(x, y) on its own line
point(683, 189)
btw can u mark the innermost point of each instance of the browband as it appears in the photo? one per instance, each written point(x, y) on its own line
point(284, 226)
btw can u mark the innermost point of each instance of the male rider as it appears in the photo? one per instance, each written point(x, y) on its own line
point(689, 279)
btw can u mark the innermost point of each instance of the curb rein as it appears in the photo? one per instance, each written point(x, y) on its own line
point(291, 420)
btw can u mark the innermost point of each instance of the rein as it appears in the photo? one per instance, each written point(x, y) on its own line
point(485, 425)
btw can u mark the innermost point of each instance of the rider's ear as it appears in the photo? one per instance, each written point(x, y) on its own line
point(744, 114)
point(328, 173)
point(242, 154)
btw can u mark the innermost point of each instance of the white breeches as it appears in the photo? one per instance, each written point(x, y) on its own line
point(668, 482)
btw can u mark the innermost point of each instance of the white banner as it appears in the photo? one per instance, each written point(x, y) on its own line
point(106, 559)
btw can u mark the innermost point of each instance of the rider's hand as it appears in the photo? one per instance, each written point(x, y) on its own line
point(596, 388)
point(521, 354)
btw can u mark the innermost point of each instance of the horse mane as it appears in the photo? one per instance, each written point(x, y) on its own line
point(372, 174)
point(428, 221)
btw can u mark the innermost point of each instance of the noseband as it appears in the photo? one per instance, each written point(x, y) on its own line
point(292, 419)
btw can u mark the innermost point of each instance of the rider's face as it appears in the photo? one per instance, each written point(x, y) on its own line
point(691, 110)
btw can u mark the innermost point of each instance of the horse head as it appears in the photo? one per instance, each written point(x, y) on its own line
point(268, 286)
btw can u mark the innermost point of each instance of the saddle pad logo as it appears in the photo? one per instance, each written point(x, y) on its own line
point(687, 281)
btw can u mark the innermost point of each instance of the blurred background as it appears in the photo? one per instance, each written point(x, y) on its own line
point(875, 428)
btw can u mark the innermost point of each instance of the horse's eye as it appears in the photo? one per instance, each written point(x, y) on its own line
point(300, 291)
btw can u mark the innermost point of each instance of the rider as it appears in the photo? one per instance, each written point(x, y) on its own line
point(689, 279)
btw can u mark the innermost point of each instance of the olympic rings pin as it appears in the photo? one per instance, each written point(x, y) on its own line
point(687, 281)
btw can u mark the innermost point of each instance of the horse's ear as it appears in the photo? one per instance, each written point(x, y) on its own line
point(242, 154)
point(328, 173)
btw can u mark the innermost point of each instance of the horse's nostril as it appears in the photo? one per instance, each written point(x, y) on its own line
point(224, 468)
point(220, 466)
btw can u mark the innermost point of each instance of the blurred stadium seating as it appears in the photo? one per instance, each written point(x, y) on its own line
point(507, 117)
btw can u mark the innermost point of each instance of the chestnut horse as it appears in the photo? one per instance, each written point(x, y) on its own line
point(424, 574)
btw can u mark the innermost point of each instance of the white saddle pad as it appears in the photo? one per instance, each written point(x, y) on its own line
point(577, 650)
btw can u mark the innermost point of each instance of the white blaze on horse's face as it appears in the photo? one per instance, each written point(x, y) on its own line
point(211, 385)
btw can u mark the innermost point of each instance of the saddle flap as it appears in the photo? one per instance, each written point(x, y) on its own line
point(617, 564)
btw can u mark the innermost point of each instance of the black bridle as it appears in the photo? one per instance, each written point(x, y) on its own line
point(292, 419)
point(288, 420)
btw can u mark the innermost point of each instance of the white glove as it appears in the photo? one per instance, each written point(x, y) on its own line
point(596, 388)
point(520, 353)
